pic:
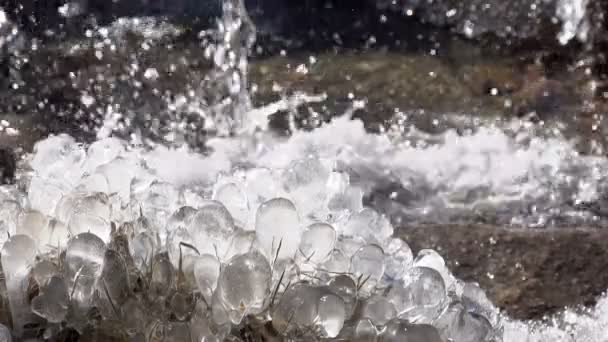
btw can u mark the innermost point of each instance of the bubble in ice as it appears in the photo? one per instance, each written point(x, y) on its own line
point(277, 223)
point(318, 240)
point(244, 284)
point(211, 229)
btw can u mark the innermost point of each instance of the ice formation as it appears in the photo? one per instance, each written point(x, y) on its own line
point(285, 246)
point(267, 238)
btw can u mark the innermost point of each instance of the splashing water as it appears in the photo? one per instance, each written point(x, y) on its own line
point(266, 228)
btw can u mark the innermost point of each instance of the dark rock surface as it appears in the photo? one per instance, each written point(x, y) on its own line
point(8, 165)
point(529, 273)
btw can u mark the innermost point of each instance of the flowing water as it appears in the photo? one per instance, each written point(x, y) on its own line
point(498, 171)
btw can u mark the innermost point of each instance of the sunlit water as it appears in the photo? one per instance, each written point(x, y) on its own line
point(504, 173)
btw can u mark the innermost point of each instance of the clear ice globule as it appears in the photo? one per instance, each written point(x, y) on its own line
point(18, 257)
point(277, 224)
point(244, 284)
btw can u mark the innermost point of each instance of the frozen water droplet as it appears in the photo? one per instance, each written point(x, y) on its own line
point(181, 305)
point(91, 213)
point(367, 264)
point(206, 274)
point(343, 198)
point(160, 201)
point(458, 324)
point(349, 245)
point(43, 271)
point(57, 235)
point(336, 263)
point(133, 316)
point(10, 211)
point(142, 250)
point(94, 182)
point(431, 259)
point(119, 173)
point(175, 246)
point(114, 281)
point(331, 314)
point(277, 223)
point(305, 181)
point(181, 218)
point(365, 331)
point(44, 194)
point(163, 275)
point(102, 152)
point(53, 301)
point(211, 228)
point(345, 287)
point(399, 259)
point(84, 257)
point(420, 296)
point(244, 283)
point(317, 242)
point(241, 242)
point(18, 255)
point(58, 156)
point(475, 300)
point(296, 309)
point(35, 225)
point(235, 201)
point(370, 226)
point(261, 186)
point(379, 310)
point(400, 330)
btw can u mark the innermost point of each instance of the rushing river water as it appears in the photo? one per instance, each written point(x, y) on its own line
point(164, 160)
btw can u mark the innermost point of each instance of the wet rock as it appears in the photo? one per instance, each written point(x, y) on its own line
point(528, 273)
point(473, 18)
point(8, 165)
